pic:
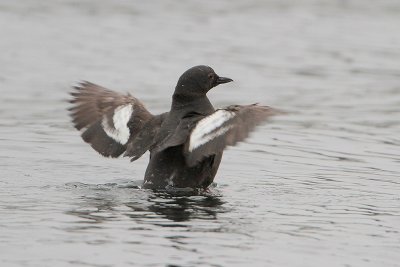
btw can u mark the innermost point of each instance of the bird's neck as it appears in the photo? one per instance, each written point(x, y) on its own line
point(191, 103)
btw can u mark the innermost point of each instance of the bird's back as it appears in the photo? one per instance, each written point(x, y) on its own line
point(167, 166)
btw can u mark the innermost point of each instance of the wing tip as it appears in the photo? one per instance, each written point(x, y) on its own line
point(270, 111)
point(79, 85)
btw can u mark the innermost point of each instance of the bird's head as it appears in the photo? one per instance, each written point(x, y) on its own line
point(199, 80)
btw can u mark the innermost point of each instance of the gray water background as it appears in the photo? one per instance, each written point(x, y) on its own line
point(317, 187)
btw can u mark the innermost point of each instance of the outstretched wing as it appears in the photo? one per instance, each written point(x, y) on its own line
point(145, 139)
point(108, 120)
point(225, 127)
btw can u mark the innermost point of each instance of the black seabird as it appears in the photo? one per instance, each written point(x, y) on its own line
point(185, 144)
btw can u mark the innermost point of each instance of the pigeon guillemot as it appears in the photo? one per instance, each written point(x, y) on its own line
point(185, 144)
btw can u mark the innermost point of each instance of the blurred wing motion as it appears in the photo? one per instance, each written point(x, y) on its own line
point(145, 139)
point(109, 121)
point(225, 127)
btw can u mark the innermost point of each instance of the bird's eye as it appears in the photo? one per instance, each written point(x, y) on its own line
point(210, 76)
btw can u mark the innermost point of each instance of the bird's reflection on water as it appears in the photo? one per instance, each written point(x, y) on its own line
point(98, 204)
point(181, 208)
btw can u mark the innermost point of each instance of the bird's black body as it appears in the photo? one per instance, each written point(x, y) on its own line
point(185, 144)
point(168, 168)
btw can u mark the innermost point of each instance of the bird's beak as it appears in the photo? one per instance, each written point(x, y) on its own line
point(222, 80)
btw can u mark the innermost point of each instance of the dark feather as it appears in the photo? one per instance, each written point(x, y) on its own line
point(245, 119)
point(145, 139)
point(92, 104)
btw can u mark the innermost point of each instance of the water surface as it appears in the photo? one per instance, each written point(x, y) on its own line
point(319, 186)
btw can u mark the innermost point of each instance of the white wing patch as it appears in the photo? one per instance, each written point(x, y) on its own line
point(205, 129)
point(120, 131)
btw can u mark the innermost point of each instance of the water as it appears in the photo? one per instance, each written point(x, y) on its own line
point(319, 186)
